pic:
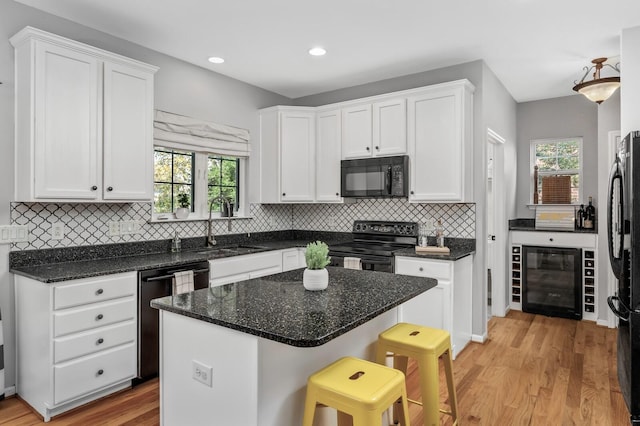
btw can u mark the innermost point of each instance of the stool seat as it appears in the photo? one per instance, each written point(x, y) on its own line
point(425, 345)
point(359, 388)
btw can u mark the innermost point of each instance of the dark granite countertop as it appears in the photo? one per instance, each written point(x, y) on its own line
point(458, 248)
point(55, 265)
point(279, 308)
point(524, 224)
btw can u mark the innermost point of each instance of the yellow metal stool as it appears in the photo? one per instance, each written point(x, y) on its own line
point(425, 345)
point(356, 388)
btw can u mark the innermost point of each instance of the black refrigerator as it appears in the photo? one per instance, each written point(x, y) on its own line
point(623, 229)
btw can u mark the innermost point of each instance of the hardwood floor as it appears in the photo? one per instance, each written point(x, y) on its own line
point(533, 370)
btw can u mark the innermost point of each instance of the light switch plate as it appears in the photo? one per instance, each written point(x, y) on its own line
point(14, 234)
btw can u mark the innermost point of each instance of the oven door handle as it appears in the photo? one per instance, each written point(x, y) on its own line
point(165, 277)
point(624, 316)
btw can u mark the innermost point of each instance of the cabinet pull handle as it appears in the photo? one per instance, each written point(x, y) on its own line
point(99, 317)
point(411, 192)
point(368, 149)
point(421, 269)
point(100, 341)
point(110, 188)
point(377, 148)
point(100, 372)
point(94, 188)
point(284, 194)
point(99, 292)
point(550, 239)
point(337, 194)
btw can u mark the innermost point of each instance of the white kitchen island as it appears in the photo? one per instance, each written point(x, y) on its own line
point(257, 341)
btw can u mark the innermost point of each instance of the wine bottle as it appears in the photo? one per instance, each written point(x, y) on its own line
point(580, 217)
point(590, 215)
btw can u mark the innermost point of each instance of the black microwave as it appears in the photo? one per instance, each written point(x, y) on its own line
point(385, 177)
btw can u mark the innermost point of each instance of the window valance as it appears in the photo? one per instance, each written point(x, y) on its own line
point(190, 134)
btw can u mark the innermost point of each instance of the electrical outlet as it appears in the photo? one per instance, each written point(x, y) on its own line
point(57, 231)
point(331, 221)
point(114, 229)
point(202, 373)
point(430, 224)
point(272, 221)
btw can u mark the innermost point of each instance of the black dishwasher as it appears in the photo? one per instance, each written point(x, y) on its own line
point(152, 284)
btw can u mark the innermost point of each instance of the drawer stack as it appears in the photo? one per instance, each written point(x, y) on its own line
point(77, 340)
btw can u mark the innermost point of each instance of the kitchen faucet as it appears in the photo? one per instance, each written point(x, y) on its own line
point(211, 239)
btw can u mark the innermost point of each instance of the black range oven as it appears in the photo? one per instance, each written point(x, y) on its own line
point(374, 243)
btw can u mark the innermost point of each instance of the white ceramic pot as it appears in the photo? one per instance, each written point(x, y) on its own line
point(182, 212)
point(315, 279)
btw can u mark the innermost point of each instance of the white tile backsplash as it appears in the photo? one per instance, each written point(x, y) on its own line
point(88, 224)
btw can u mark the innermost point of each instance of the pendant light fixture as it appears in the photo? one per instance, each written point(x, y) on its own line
point(598, 89)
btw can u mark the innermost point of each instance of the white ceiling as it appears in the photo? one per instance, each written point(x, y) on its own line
point(537, 48)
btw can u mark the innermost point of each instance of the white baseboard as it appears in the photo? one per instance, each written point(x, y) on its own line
point(479, 338)
point(11, 390)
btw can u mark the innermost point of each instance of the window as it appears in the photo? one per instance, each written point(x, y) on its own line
point(223, 179)
point(177, 172)
point(558, 157)
point(173, 175)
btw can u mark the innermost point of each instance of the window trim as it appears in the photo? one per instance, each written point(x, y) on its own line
point(579, 172)
point(200, 192)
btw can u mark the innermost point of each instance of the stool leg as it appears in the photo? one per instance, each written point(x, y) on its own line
point(399, 363)
point(453, 400)
point(309, 409)
point(402, 409)
point(429, 387)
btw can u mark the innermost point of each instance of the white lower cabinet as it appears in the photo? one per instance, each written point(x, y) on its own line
point(446, 306)
point(76, 340)
point(242, 268)
point(293, 259)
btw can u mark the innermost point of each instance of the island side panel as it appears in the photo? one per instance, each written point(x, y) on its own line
point(233, 356)
point(284, 369)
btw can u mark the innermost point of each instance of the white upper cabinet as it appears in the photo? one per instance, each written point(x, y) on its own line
point(84, 122)
point(356, 131)
point(390, 127)
point(375, 129)
point(440, 143)
point(328, 156)
point(287, 155)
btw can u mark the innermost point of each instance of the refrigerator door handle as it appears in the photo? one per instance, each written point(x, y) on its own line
point(623, 316)
point(615, 258)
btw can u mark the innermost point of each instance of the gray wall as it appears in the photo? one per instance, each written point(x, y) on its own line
point(556, 118)
point(179, 87)
point(498, 114)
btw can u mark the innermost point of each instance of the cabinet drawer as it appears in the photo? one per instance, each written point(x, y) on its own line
point(553, 239)
point(91, 290)
point(93, 316)
point(77, 345)
point(77, 378)
point(423, 268)
point(246, 264)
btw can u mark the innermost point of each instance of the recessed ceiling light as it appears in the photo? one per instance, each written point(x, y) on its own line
point(216, 60)
point(317, 51)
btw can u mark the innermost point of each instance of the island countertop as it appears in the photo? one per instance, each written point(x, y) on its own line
point(278, 307)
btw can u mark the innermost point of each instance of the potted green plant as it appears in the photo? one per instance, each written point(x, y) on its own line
point(183, 211)
point(316, 276)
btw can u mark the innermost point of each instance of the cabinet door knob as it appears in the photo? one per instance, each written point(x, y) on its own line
point(99, 317)
point(284, 194)
point(412, 192)
point(110, 188)
point(337, 194)
point(94, 188)
point(377, 148)
point(368, 149)
point(100, 372)
point(99, 292)
point(550, 239)
point(100, 341)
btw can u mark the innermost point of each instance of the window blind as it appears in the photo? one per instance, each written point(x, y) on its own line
point(191, 134)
